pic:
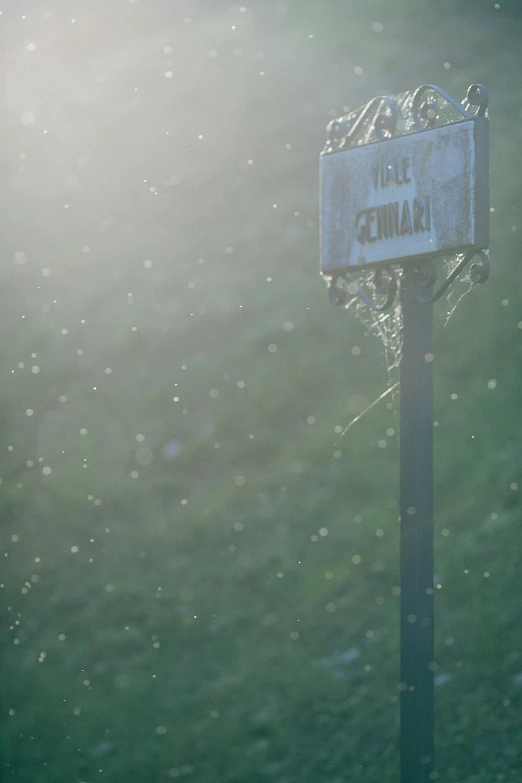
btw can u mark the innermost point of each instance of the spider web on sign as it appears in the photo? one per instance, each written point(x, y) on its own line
point(386, 325)
point(459, 289)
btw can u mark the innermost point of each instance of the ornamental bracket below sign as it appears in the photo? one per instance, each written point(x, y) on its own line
point(404, 181)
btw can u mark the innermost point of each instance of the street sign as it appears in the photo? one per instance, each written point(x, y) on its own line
point(404, 180)
point(414, 196)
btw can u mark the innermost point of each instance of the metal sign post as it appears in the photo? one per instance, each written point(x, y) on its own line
point(416, 549)
point(405, 182)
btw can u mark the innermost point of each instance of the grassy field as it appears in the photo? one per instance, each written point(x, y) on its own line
point(200, 575)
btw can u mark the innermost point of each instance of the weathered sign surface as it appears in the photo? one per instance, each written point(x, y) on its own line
point(418, 195)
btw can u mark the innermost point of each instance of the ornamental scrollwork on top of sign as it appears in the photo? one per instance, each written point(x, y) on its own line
point(386, 117)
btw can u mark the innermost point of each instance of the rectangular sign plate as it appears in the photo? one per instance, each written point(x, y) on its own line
point(413, 196)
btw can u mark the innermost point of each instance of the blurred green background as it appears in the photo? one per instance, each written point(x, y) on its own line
point(199, 575)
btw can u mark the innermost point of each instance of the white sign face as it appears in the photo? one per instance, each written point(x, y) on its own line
point(418, 195)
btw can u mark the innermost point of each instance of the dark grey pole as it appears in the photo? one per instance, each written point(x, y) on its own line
point(416, 531)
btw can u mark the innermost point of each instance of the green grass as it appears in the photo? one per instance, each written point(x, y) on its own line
point(233, 637)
